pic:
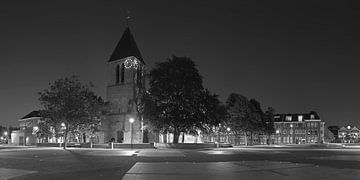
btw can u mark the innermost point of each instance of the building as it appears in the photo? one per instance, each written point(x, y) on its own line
point(126, 80)
point(28, 126)
point(305, 128)
point(349, 134)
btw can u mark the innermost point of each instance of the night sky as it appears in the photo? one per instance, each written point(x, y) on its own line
point(293, 56)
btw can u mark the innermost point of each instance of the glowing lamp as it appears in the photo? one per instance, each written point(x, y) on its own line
point(131, 120)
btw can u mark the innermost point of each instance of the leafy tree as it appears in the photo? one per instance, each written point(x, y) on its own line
point(269, 122)
point(334, 130)
point(176, 101)
point(328, 135)
point(258, 118)
point(72, 104)
point(240, 115)
point(43, 131)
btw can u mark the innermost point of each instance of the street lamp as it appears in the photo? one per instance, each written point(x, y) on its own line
point(131, 120)
point(228, 130)
point(6, 137)
point(292, 133)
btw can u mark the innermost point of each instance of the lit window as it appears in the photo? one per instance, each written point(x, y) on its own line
point(288, 118)
point(312, 116)
point(300, 118)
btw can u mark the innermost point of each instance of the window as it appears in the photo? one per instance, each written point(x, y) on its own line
point(288, 118)
point(300, 118)
point(312, 116)
point(122, 73)
point(117, 73)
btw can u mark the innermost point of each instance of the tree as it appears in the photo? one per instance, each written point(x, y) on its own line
point(71, 106)
point(258, 120)
point(176, 101)
point(328, 135)
point(43, 131)
point(269, 122)
point(240, 115)
point(334, 130)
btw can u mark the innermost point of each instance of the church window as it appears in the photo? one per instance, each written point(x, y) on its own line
point(117, 73)
point(122, 73)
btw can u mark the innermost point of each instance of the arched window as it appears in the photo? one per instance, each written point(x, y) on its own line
point(122, 73)
point(117, 73)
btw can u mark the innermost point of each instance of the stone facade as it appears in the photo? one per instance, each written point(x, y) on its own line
point(125, 82)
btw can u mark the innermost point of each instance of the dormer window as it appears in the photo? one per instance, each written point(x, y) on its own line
point(288, 118)
point(312, 116)
point(300, 118)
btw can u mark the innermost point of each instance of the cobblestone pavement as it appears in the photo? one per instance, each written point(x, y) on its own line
point(223, 163)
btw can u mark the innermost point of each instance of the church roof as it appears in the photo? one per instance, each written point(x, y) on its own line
point(126, 47)
point(32, 114)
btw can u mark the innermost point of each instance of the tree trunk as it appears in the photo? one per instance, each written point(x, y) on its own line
point(245, 138)
point(251, 138)
point(65, 138)
point(183, 137)
point(176, 137)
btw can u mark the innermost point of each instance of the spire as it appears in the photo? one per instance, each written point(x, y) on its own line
point(126, 47)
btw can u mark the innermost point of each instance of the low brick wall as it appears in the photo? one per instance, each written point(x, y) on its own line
point(187, 145)
point(49, 144)
point(134, 146)
point(105, 146)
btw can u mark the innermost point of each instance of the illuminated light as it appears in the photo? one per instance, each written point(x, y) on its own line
point(36, 128)
point(5, 133)
point(291, 125)
point(1, 138)
point(131, 120)
point(277, 131)
point(131, 62)
point(348, 127)
point(63, 124)
point(228, 129)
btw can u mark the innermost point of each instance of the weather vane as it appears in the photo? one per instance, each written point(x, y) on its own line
point(128, 17)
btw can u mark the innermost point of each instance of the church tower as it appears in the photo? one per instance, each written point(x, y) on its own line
point(125, 83)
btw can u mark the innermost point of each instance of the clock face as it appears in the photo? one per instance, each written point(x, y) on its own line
point(127, 63)
point(131, 62)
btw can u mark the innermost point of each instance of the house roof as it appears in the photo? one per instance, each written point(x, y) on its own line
point(32, 114)
point(352, 128)
point(295, 116)
point(126, 47)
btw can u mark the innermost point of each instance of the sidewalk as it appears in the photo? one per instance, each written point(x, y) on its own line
point(10, 146)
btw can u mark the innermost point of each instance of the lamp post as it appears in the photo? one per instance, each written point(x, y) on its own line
point(131, 120)
point(292, 134)
point(228, 130)
point(6, 137)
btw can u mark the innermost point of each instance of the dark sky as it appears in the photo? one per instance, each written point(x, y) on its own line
point(294, 56)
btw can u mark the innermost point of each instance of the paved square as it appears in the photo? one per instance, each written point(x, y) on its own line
point(6, 173)
point(235, 170)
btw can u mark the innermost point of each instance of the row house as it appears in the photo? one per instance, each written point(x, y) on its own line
point(349, 134)
point(305, 128)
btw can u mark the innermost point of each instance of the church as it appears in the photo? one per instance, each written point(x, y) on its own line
point(125, 82)
point(124, 123)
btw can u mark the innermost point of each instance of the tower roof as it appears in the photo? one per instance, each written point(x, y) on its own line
point(126, 47)
point(32, 114)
